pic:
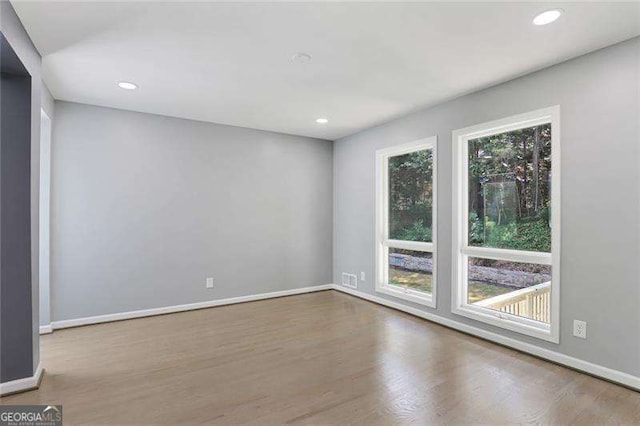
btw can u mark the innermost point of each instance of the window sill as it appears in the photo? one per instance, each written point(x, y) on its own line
point(425, 299)
point(509, 322)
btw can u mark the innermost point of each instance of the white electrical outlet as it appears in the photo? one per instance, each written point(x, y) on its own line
point(362, 276)
point(210, 282)
point(580, 329)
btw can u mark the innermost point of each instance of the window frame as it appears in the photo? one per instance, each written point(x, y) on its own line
point(461, 250)
point(383, 243)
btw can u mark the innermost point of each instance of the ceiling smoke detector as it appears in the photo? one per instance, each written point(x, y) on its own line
point(301, 58)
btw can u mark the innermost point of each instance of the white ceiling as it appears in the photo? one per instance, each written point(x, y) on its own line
point(231, 62)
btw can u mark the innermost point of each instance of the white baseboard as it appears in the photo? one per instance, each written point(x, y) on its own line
point(181, 308)
point(566, 360)
point(46, 329)
point(22, 385)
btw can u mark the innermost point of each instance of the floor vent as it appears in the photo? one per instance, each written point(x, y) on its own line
point(349, 280)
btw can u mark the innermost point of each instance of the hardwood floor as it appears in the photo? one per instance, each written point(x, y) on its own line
point(318, 358)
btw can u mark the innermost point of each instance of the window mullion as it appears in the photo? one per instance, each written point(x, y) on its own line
point(409, 245)
point(508, 255)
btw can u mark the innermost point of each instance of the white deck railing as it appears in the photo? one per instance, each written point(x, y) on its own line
point(532, 302)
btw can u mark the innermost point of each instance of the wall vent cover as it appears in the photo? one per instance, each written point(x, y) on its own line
point(349, 280)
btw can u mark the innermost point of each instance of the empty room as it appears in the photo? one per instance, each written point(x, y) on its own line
point(327, 213)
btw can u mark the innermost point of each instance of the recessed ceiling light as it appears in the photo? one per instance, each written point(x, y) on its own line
point(322, 121)
point(547, 17)
point(301, 58)
point(127, 85)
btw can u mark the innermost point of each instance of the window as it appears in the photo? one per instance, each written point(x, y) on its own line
point(506, 246)
point(406, 221)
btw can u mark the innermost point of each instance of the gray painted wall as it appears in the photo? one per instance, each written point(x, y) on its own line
point(12, 29)
point(599, 98)
point(145, 207)
point(15, 226)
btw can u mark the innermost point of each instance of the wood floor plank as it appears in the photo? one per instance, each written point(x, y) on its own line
point(320, 358)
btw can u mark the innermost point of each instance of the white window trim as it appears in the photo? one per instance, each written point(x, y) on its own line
point(461, 249)
point(44, 243)
point(382, 227)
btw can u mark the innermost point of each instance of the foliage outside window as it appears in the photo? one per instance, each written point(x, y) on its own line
point(509, 190)
point(410, 196)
